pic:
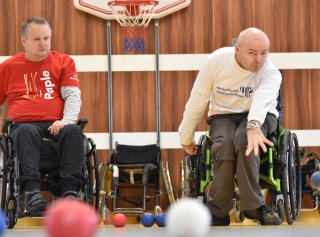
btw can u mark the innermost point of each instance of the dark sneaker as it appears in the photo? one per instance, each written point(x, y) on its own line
point(220, 221)
point(36, 202)
point(268, 217)
point(71, 194)
point(251, 214)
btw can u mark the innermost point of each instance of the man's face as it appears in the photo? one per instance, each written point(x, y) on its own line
point(37, 42)
point(252, 55)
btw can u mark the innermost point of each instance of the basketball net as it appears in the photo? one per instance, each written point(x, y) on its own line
point(134, 17)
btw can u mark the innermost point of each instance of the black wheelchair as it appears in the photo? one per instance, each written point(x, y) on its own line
point(130, 179)
point(280, 174)
point(13, 201)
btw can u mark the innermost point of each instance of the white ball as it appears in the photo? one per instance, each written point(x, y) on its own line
point(188, 218)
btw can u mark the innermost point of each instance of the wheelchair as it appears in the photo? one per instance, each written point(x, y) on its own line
point(130, 180)
point(13, 201)
point(280, 174)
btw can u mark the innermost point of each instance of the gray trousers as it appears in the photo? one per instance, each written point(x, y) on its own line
point(229, 136)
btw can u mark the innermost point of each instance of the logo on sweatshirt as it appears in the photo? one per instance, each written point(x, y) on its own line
point(74, 77)
point(31, 86)
point(246, 90)
point(32, 89)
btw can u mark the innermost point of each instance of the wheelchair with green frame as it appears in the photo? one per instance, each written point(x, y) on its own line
point(13, 200)
point(280, 174)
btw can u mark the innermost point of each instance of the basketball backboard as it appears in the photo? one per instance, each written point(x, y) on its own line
point(100, 8)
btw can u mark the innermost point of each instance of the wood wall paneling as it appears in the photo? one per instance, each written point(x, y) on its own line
point(292, 26)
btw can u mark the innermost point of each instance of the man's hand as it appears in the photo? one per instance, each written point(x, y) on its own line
point(190, 149)
point(256, 139)
point(56, 127)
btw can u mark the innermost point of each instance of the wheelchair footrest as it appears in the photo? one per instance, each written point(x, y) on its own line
point(36, 214)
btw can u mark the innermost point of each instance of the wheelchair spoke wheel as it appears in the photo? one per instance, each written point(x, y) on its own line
point(91, 171)
point(187, 177)
point(3, 172)
point(168, 182)
point(203, 165)
point(183, 191)
point(285, 186)
point(105, 188)
point(294, 174)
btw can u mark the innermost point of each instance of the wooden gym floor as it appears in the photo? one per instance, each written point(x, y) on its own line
point(308, 225)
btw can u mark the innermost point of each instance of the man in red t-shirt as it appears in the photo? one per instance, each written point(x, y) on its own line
point(44, 100)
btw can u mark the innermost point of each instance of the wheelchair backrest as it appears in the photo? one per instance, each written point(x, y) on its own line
point(127, 154)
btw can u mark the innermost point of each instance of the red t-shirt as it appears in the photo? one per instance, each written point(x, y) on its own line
point(33, 88)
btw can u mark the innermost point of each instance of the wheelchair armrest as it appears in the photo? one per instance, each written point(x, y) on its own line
point(7, 123)
point(82, 122)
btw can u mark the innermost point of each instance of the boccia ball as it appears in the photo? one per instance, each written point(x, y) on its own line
point(188, 218)
point(71, 218)
point(315, 180)
point(3, 221)
point(119, 220)
point(147, 219)
point(160, 219)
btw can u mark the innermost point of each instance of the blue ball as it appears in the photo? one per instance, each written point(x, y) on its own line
point(315, 180)
point(3, 223)
point(147, 219)
point(161, 220)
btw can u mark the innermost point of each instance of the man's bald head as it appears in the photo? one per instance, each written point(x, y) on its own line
point(252, 34)
point(252, 49)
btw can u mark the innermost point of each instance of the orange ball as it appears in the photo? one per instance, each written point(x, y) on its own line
point(119, 220)
point(71, 218)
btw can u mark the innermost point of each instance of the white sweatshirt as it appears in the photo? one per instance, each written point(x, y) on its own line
point(230, 89)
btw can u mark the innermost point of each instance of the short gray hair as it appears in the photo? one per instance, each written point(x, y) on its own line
point(33, 20)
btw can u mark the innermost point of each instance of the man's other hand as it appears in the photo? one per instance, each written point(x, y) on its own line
point(190, 149)
point(256, 139)
point(56, 127)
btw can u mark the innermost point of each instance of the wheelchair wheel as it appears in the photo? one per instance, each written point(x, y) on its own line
point(105, 191)
point(183, 182)
point(92, 169)
point(203, 174)
point(168, 182)
point(286, 156)
point(3, 172)
point(294, 174)
point(7, 201)
point(280, 210)
point(11, 218)
point(187, 177)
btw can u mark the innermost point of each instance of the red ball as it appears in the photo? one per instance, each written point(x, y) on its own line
point(71, 218)
point(119, 220)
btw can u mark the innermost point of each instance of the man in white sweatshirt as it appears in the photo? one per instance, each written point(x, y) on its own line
point(242, 86)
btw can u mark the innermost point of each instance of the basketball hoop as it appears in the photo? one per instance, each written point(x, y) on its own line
point(134, 16)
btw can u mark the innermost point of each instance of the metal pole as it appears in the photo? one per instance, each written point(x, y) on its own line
point(109, 49)
point(156, 36)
